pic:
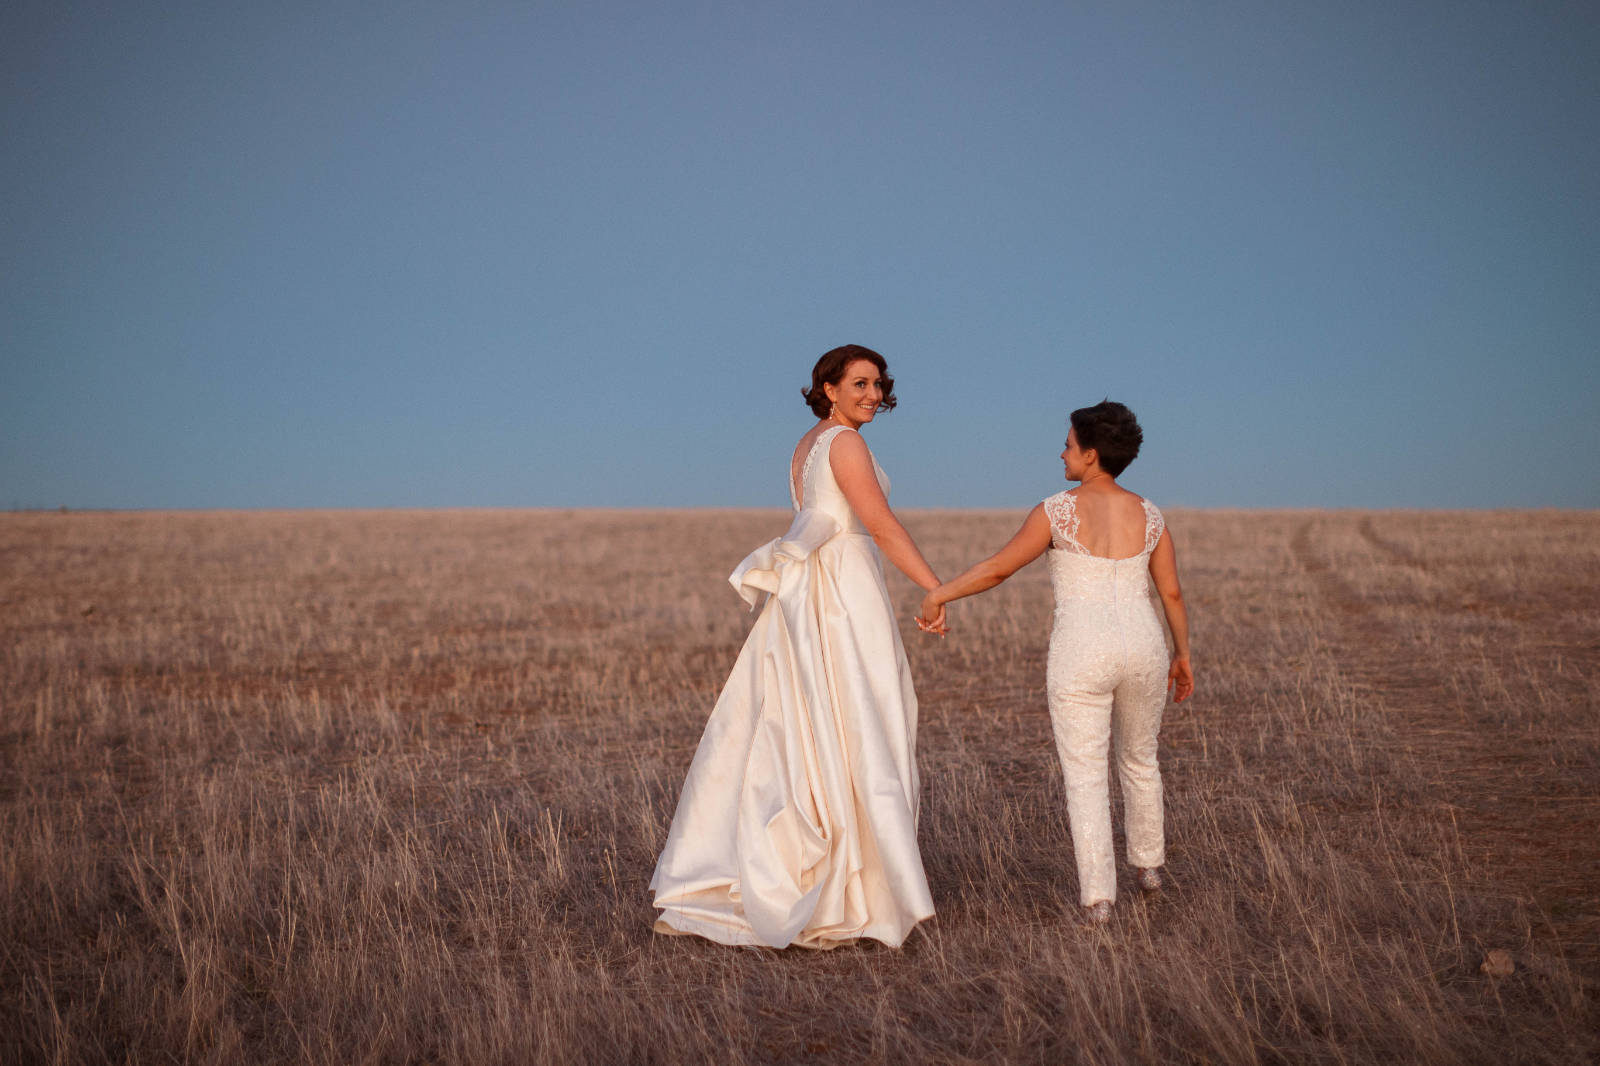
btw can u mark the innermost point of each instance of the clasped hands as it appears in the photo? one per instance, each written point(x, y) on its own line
point(932, 617)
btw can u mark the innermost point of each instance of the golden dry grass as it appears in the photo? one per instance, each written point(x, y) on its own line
point(382, 787)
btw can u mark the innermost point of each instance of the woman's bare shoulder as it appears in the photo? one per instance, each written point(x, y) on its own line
point(848, 446)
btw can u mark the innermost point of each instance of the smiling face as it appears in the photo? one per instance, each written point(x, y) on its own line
point(858, 394)
point(1076, 460)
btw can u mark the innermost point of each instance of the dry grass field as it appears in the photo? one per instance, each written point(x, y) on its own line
point(385, 787)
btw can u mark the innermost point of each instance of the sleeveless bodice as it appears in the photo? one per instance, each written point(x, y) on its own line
point(1105, 626)
point(1081, 578)
point(820, 491)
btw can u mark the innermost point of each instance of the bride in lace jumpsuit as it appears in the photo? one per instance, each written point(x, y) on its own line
point(1109, 670)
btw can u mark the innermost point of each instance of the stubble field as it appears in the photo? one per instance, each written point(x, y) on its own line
point(383, 787)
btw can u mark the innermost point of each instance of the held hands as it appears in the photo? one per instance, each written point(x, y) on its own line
point(932, 617)
point(1181, 679)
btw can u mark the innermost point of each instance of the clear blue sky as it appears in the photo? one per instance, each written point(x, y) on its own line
point(564, 254)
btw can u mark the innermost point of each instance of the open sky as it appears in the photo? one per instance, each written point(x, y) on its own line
point(574, 254)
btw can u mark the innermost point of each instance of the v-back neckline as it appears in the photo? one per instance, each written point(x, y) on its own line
point(797, 486)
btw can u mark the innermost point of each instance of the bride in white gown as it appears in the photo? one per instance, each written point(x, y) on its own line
point(798, 820)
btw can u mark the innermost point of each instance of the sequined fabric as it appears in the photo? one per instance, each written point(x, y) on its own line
point(1107, 684)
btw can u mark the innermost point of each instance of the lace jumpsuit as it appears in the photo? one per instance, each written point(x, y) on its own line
point(1107, 684)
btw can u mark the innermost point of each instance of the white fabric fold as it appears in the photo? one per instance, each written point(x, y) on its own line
point(762, 570)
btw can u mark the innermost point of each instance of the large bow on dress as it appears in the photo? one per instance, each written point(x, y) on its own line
point(763, 569)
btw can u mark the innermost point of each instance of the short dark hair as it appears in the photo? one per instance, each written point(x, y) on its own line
point(1111, 430)
point(830, 371)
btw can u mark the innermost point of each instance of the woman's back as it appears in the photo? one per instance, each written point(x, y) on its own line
point(1110, 525)
point(813, 484)
point(1101, 545)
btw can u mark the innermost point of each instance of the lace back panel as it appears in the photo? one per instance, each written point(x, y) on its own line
point(1062, 511)
point(1154, 523)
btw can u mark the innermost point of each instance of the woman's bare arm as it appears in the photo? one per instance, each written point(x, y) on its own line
point(1024, 547)
point(852, 469)
point(1164, 572)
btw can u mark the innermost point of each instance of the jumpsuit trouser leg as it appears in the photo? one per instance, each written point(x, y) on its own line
point(1085, 725)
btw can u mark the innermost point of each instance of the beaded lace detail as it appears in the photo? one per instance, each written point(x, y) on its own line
point(797, 491)
point(1154, 524)
point(1062, 511)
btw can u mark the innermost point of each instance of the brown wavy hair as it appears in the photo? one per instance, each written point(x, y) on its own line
point(830, 371)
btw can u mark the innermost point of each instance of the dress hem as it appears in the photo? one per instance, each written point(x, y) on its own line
point(679, 924)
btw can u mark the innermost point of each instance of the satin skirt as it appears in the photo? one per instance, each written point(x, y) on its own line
point(797, 823)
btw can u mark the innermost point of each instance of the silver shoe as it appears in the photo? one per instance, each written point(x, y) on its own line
point(1097, 913)
point(1149, 879)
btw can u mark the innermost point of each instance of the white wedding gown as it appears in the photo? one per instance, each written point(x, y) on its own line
point(798, 820)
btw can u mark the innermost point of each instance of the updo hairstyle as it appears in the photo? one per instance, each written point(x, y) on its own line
point(1111, 430)
point(830, 371)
